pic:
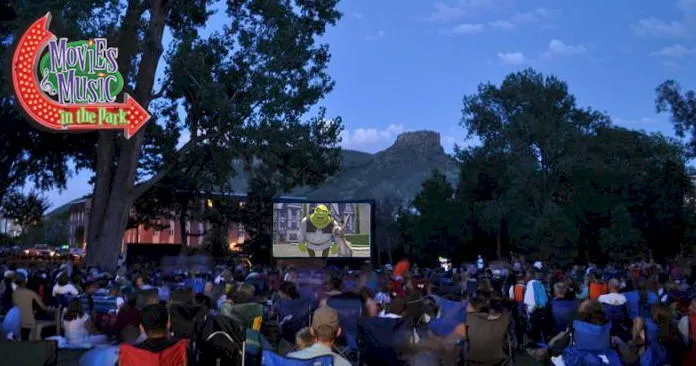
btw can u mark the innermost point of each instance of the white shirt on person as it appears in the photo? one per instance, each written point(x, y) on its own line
point(76, 330)
point(612, 299)
point(68, 289)
point(316, 350)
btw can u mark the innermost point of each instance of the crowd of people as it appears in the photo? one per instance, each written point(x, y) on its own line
point(639, 314)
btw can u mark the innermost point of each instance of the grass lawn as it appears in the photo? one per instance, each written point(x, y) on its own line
point(359, 240)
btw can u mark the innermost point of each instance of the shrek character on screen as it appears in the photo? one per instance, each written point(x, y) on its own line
point(317, 233)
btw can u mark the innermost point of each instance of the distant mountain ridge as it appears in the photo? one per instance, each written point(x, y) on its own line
point(395, 173)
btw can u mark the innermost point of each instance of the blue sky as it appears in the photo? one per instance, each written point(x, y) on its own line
point(405, 65)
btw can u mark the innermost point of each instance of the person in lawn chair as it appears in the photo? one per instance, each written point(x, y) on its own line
point(317, 233)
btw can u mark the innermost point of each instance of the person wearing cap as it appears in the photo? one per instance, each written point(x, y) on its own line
point(326, 329)
point(25, 299)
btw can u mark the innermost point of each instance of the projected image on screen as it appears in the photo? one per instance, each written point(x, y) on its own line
point(318, 229)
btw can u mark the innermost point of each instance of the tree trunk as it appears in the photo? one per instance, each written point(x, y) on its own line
point(114, 187)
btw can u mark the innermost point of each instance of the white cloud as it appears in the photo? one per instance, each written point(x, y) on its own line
point(653, 27)
point(357, 15)
point(370, 139)
point(458, 9)
point(512, 58)
point(377, 35)
point(531, 16)
point(675, 51)
point(464, 29)
point(502, 24)
point(558, 48)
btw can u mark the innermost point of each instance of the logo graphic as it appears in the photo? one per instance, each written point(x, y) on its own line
point(73, 86)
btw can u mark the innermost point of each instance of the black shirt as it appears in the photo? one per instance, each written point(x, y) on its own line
point(157, 345)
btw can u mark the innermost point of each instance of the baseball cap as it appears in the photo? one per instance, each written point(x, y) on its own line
point(325, 317)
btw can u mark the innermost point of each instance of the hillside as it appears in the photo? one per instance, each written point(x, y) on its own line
point(395, 173)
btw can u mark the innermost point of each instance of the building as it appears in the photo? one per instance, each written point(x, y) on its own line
point(164, 232)
point(288, 216)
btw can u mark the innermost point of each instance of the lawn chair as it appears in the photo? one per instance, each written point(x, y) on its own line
point(247, 315)
point(293, 315)
point(100, 356)
point(349, 311)
point(252, 349)
point(43, 353)
point(451, 314)
point(381, 339)
point(271, 359)
point(176, 355)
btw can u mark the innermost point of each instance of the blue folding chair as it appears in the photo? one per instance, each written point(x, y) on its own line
point(99, 356)
point(271, 359)
point(452, 313)
point(563, 312)
point(349, 311)
point(293, 315)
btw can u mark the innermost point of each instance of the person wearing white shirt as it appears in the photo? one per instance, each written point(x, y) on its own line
point(64, 287)
point(326, 329)
point(78, 328)
point(614, 297)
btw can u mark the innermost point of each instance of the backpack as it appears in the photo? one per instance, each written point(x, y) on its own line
point(218, 339)
point(540, 297)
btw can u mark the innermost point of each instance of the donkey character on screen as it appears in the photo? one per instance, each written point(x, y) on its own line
point(345, 248)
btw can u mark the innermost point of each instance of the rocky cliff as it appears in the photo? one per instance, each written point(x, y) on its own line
point(395, 173)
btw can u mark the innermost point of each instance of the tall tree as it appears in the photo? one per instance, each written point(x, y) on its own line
point(27, 154)
point(26, 210)
point(238, 93)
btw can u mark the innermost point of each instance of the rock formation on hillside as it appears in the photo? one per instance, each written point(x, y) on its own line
point(394, 174)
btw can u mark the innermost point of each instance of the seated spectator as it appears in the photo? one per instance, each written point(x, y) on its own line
point(155, 324)
point(486, 332)
point(563, 310)
point(158, 348)
point(326, 329)
point(304, 339)
point(25, 299)
point(64, 287)
point(140, 283)
point(371, 308)
point(127, 315)
point(78, 327)
point(335, 288)
point(614, 297)
point(396, 309)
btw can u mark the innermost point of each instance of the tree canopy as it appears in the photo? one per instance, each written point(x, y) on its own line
point(556, 180)
point(240, 93)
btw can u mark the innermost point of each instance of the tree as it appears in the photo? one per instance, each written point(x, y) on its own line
point(240, 93)
point(622, 238)
point(25, 210)
point(27, 154)
point(430, 227)
point(559, 182)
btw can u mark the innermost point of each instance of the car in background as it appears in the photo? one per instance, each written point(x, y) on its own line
point(41, 250)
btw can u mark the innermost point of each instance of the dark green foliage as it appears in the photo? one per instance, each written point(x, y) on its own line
point(560, 183)
point(24, 209)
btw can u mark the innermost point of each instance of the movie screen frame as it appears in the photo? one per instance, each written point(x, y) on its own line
point(360, 250)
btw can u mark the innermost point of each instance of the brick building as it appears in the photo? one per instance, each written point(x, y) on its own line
point(169, 234)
